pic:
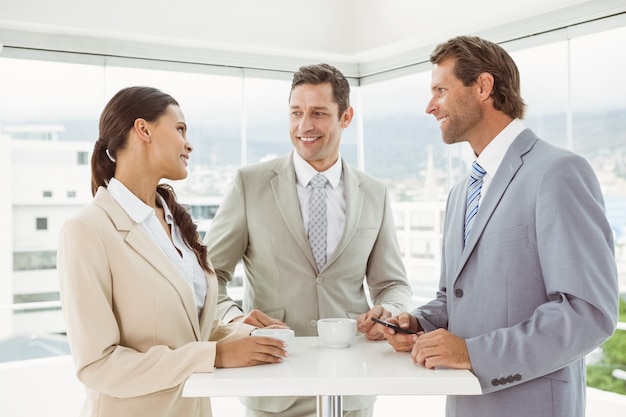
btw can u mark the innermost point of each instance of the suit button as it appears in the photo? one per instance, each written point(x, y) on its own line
point(510, 379)
point(320, 280)
point(517, 377)
point(458, 292)
point(502, 381)
point(313, 323)
point(495, 382)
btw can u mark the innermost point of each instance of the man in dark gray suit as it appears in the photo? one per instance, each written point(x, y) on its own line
point(528, 284)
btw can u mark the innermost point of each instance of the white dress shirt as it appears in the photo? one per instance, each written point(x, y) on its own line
point(181, 256)
point(335, 198)
point(491, 157)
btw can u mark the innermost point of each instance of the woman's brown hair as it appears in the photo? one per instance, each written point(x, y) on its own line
point(116, 121)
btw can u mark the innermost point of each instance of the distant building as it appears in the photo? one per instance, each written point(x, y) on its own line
point(50, 181)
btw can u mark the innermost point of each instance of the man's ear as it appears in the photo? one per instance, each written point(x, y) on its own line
point(485, 82)
point(346, 117)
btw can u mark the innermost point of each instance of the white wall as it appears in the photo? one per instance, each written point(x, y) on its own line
point(6, 239)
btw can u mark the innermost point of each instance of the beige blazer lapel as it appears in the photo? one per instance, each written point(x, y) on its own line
point(139, 240)
point(283, 187)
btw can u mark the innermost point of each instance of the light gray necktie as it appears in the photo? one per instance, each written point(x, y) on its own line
point(474, 186)
point(318, 223)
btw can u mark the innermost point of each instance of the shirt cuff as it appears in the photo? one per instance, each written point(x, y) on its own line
point(231, 314)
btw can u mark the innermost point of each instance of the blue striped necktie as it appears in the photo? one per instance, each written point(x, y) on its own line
point(475, 184)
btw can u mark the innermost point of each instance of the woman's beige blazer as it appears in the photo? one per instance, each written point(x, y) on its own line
point(131, 319)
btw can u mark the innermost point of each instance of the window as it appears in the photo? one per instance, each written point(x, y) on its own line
point(267, 118)
point(204, 211)
point(212, 104)
point(240, 116)
point(82, 158)
point(34, 260)
point(41, 223)
point(598, 126)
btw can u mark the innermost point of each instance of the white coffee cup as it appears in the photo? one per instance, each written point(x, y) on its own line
point(336, 332)
point(286, 335)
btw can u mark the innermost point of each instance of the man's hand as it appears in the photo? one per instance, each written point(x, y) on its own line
point(441, 348)
point(402, 342)
point(258, 318)
point(366, 326)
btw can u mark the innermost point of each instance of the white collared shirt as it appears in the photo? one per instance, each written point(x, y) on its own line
point(335, 198)
point(491, 157)
point(187, 264)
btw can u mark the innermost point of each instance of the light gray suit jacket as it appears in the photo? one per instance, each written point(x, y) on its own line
point(259, 221)
point(535, 288)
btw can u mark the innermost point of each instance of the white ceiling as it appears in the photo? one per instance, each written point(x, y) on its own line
point(362, 37)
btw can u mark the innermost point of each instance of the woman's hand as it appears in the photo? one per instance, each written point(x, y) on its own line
point(249, 351)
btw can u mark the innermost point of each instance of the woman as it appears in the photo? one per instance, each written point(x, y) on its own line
point(137, 288)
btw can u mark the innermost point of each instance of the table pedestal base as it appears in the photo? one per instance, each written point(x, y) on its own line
point(329, 406)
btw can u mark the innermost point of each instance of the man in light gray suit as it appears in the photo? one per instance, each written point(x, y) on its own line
point(533, 288)
point(265, 218)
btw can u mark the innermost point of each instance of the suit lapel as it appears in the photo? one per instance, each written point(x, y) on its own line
point(511, 163)
point(283, 187)
point(285, 193)
point(455, 221)
point(139, 240)
point(354, 205)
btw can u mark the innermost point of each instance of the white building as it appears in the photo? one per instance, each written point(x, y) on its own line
point(49, 180)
